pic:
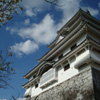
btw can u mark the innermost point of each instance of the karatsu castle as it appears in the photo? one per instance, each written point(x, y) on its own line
point(75, 49)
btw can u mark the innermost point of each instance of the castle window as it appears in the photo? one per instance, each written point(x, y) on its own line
point(36, 85)
point(34, 76)
point(66, 67)
point(60, 56)
point(73, 47)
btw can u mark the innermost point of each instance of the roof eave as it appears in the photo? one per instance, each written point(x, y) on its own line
point(71, 20)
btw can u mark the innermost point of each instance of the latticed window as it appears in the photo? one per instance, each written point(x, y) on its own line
point(73, 47)
point(48, 77)
point(66, 67)
point(36, 85)
point(60, 56)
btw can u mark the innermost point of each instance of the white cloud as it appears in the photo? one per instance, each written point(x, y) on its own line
point(94, 12)
point(68, 8)
point(34, 6)
point(99, 4)
point(3, 99)
point(29, 12)
point(44, 32)
point(27, 21)
point(7, 28)
point(12, 30)
point(26, 47)
point(33, 3)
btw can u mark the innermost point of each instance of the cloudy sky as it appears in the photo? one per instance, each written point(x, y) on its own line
point(32, 30)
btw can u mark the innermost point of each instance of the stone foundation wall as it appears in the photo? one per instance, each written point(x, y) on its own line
point(79, 87)
point(96, 83)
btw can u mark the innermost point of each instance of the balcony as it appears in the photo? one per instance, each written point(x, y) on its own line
point(86, 57)
point(48, 77)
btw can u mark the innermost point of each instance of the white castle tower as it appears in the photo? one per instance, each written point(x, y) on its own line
point(75, 49)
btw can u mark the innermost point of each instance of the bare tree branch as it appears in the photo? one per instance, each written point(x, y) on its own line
point(5, 69)
point(54, 2)
point(13, 98)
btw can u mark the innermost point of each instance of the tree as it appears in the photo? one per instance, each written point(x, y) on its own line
point(5, 69)
point(7, 9)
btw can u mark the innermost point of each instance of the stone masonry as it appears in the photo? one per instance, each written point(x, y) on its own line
point(96, 83)
point(84, 86)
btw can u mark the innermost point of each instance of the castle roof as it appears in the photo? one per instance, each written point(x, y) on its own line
point(76, 23)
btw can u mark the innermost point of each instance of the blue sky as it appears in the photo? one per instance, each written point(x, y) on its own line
point(31, 31)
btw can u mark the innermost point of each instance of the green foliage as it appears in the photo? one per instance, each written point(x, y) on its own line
point(7, 9)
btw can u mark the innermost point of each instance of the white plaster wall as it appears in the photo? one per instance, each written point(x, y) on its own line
point(60, 73)
point(64, 75)
point(82, 58)
point(35, 91)
point(32, 91)
point(72, 71)
point(85, 57)
point(78, 42)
